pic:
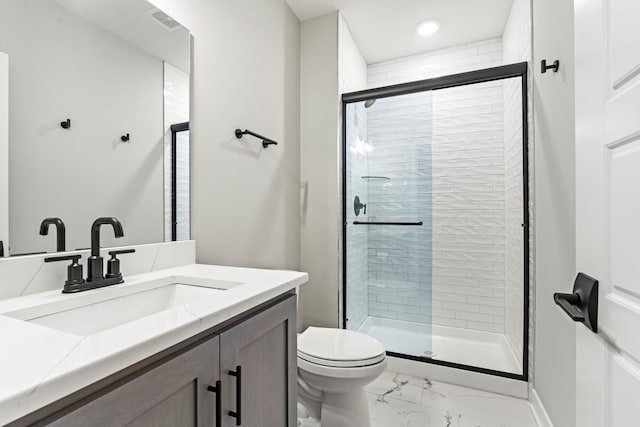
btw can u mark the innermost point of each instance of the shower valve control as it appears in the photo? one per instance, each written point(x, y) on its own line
point(358, 206)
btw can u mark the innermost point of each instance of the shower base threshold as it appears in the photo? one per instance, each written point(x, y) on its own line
point(463, 346)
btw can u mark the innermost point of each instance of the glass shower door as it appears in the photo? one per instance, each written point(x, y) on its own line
point(388, 221)
point(436, 248)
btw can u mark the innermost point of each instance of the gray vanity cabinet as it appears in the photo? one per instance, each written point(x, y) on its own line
point(258, 366)
point(172, 394)
point(250, 362)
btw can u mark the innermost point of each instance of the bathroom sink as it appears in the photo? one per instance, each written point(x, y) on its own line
point(108, 310)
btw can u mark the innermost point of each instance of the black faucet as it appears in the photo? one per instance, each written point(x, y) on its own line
point(60, 232)
point(95, 265)
point(95, 276)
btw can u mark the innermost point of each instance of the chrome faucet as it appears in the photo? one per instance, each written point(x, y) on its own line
point(60, 232)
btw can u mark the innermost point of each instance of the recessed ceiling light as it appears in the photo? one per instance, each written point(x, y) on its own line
point(428, 28)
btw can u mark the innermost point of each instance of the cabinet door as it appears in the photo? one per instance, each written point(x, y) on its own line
point(258, 366)
point(172, 394)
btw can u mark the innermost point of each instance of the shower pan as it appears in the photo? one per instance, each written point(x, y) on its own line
point(435, 219)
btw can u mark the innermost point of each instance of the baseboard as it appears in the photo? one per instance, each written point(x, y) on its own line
point(539, 413)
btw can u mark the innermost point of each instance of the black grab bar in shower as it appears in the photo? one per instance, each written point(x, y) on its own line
point(387, 223)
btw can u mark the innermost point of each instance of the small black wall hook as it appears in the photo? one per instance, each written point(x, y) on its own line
point(125, 138)
point(266, 142)
point(66, 124)
point(555, 66)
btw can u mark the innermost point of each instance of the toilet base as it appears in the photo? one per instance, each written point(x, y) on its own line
point(345, 409)
point(305, 419)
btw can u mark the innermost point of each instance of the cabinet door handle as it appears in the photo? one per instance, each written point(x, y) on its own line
point(217, 389)
point(237, 414)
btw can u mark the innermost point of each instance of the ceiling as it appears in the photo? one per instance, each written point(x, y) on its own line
point(385, 29)
point(128, 19)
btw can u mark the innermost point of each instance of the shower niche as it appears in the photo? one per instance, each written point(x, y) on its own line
point(435, 226)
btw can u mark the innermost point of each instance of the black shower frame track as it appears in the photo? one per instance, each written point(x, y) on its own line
point(473, 77)
point(175, 128)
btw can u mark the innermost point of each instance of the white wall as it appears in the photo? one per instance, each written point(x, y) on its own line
point(64, 67)
point(555, 352)
point(516, 47)
point(246, 63)
point(4, 150)
point(319, 171)
point(352, 68)
point(176, 110)
point(352, 76)
point(452, 60)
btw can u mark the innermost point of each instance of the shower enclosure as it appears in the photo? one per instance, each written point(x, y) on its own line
point(180, 181)
point(435, 219)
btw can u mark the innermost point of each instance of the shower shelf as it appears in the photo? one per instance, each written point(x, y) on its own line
point(375, 177)
point(387, 223)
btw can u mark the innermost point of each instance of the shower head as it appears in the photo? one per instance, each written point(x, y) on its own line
point(369, 102)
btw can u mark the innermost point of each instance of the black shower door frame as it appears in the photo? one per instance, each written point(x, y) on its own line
point(454, 80)
point(175, 129)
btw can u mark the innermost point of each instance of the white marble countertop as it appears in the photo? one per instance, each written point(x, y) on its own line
point(39, 365)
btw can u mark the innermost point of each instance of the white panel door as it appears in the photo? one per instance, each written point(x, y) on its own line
point(608, 208)
point(4, 150)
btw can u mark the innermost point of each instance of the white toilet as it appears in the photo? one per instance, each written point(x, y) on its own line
point(334, 366)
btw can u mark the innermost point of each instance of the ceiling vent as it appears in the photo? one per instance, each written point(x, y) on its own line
point(167, 22)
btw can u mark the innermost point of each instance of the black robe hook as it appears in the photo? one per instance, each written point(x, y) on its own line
point(555, 66)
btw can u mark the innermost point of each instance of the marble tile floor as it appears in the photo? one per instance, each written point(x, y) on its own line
point(397, 400)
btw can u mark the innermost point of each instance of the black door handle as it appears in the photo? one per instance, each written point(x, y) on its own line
point(217, 389)
point(570, 303)
point(582, 304)
point(237, 414)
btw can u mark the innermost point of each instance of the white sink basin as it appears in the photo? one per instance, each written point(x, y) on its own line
point(104, 310)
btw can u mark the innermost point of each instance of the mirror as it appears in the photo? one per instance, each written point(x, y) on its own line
point(95, 88)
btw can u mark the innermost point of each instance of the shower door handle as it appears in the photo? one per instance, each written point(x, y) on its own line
point(582, 304)
point(419, 223)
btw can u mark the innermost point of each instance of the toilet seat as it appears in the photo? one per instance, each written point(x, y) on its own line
point(342, 373)
point(339, 348)
point(340, 363)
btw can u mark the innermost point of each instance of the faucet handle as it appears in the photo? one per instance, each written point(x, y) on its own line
point(113, 265)
point(73, 258)
point(120, 252)
point(74, 270)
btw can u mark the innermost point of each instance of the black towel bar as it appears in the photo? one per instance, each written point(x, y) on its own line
point(266, 142)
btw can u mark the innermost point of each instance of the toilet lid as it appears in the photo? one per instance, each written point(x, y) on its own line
point(339, 347)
